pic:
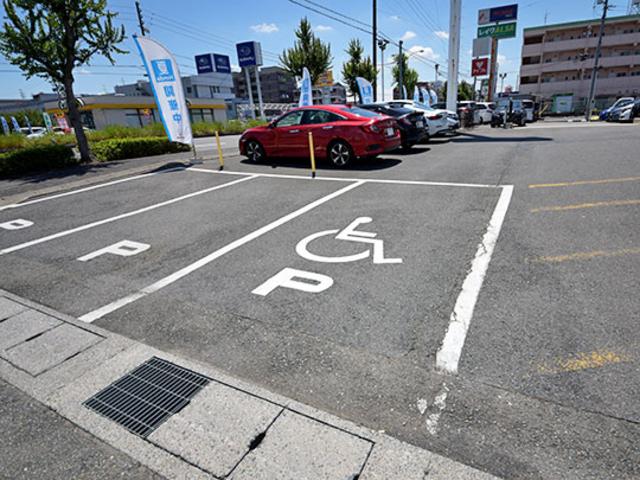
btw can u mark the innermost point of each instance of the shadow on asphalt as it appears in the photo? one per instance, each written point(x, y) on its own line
point(471, 137)
point(360, 164)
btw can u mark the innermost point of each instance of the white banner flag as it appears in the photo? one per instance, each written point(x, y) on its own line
point(366, 90)
point(425, 97)
point(166, 84)
point(306, 93)
point(416, 94)
point(434, 96)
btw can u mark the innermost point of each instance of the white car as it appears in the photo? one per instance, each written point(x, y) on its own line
point(485, 110)
point(437, 120)
point(36, 132)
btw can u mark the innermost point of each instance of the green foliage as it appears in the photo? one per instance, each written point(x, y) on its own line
point(121, 148)
point(357, 66)
point(465, 91)
point(409, 75)
point(36, 158)
point(308, 51)
point(48, 38)
point(122, 131)
point(34, 116)
point(12, 142)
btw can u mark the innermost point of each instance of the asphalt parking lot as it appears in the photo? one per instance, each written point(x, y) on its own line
point(477, 297)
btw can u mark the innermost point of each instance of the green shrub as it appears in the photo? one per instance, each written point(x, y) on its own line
point(33, 159)
point(12, 142)
point(121, 148)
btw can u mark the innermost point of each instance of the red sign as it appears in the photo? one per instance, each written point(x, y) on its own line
point(479, 67)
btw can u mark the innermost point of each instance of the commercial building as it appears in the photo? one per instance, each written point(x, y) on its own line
point(37, 102)
point(277, 85)
point(558, 60)
point(98, 111)
point(208, 85)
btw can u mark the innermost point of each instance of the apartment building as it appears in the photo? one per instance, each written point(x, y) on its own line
point(277, 85)
point(557, 60)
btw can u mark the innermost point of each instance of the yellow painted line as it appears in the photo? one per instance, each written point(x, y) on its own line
point(585, 182)
point(583, 361)
point(578, 206)
point(587, 255)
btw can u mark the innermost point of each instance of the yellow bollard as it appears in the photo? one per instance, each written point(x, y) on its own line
point(220, 157)
point(313, 156)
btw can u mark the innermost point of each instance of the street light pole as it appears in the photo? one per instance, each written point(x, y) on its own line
point(592, 88)
point(375, 48)
point(502, 77)
point(382, 43)
point(454, 54)
point(400, 70)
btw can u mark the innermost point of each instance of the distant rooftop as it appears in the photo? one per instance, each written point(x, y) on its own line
point(583, 23)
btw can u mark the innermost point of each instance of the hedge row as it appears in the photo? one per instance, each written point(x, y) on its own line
point(121, 148)
point(38, 158)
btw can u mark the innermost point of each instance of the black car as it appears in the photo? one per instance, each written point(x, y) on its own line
point(411, 124)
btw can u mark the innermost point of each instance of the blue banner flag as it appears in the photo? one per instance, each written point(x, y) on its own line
point(306, 93)
point(28, 124)
point(416, 94)
point(166, 84)
point(47, 121)
point(366, 90)
point(425, 97)
point(16, 125)
point(5, 126)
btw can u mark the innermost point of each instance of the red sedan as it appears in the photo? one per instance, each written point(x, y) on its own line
point(340, 134)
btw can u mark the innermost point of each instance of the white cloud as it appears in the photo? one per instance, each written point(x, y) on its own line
point(503, 60)
point(265, 28)
point(323, 28)
point(408, 35)
point(394, 18)
point(442, 34)
point(423, 52)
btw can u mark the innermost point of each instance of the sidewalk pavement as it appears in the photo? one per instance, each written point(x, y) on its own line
point(227, 429)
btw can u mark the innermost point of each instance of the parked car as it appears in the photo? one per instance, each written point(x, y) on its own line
point(452, 117)
point(468, 109)
point(485, 111)
point(35, 132)
point(625, 113)
point(340, 133)
point(436, 119)
point(413, 128)
point(621, 102)
point(530, 110)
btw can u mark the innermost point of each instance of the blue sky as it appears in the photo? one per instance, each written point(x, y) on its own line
point(190, 27)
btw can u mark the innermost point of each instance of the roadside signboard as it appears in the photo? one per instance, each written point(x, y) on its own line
point(501, 14)
point(484, 16)
point(479, 67)
point(249, 54)
point(204, 63)
point(481, 47)
point(221, 63)
point(325, 79)
point(503, 30)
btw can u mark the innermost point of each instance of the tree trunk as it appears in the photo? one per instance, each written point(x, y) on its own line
point(76, 123)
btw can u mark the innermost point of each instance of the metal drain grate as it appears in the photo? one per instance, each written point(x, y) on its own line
point(145, 397)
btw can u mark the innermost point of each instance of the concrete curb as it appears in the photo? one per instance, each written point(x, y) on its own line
point(230, 429)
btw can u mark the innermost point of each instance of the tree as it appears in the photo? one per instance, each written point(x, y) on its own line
point(409, 75)
point(465, 91)
point(308, 51)
point(357, 66)
point(49, 38)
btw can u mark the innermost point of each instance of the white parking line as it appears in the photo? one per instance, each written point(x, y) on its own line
point(346, 179)
point(87, 189)
point(174, 277)
point(121, 216)
point(449, 353)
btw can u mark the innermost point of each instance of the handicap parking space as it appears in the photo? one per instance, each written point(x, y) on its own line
point(388, 288)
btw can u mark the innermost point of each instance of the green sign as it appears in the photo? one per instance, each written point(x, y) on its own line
point(503, 30)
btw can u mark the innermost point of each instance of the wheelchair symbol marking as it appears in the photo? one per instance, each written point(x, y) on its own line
point(349, 234)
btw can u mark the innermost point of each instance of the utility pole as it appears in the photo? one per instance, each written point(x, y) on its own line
point(592, 88)
point(493, 69)
point(400, 70)
point(382, 43)
point(143, 30)
point(454, 55)
point(437, 67)
point(375, 49)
